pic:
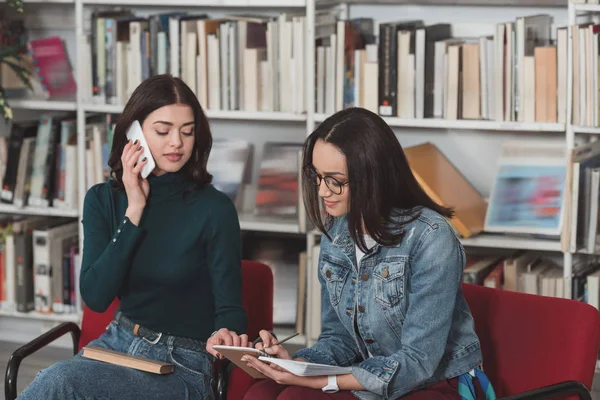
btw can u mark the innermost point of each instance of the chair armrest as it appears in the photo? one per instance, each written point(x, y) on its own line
point(222, 367)
point(12, 369)
point(568, 387)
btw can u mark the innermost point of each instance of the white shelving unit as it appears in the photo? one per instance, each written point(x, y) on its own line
point(46, 105)
point(251, 222)
point(307, 122)
point(439, 123)
point(48, 211)
point(203, 3)
point(42, 317)
point(212, 114)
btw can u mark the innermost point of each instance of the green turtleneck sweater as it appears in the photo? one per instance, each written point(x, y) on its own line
point(179, 271)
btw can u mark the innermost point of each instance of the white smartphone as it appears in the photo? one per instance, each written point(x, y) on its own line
point(135, 133)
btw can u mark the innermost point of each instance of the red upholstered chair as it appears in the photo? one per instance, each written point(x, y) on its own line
point(257, 288)
point(258, 302)
point(535, 347)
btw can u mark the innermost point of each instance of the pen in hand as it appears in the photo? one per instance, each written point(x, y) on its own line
point(283, 341)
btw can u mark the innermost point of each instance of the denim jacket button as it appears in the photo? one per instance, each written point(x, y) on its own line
point(361, 308)
point(364, 277)
point(385, 273)
point(328, 273)
point(369, 341)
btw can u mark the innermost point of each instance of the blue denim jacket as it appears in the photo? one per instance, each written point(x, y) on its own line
point(411, 313)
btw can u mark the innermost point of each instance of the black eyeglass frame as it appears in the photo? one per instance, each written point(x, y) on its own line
point(311, 174)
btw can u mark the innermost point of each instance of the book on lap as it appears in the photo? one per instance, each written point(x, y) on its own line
point(127, 360)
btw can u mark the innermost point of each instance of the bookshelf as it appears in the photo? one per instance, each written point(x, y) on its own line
point(47, 211)
point(43, 105)
point(406, 129)
point(440, 123)
point(584, 8)
point(204, 3)
point(212, 114)
point(54, 317)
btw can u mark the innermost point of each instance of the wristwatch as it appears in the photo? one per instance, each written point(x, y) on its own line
point(332, 385)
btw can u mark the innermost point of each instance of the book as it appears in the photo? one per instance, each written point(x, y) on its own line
point(127, 360)
point(300, 368)
point(446, 185)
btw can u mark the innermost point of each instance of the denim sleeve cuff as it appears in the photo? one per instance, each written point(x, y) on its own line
point(315, 356)
point(375, 374)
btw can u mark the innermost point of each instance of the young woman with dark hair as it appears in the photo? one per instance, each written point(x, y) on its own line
point(390, 268)
point(169, 247)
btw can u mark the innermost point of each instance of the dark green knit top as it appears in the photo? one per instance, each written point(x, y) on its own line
point(179, 271)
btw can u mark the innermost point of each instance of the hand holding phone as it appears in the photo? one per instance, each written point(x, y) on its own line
point(137, 164)
point(135, 133)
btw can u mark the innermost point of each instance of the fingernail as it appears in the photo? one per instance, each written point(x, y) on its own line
point(135, 141)
point(139, 148)
point(144, 159)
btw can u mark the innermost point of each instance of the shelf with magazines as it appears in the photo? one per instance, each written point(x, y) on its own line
point(502, 241)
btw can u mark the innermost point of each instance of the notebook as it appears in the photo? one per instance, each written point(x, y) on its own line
point(127, 360)
point(300, 368)
point(235, 354)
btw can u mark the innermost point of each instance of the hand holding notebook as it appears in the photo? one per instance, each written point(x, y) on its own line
point(300, 368)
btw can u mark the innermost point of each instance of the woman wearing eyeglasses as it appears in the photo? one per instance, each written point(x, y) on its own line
point(390, 269)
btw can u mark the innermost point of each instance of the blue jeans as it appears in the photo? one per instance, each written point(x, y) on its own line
point(82, 378)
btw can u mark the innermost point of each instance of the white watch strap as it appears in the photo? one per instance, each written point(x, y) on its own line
point(332, 385)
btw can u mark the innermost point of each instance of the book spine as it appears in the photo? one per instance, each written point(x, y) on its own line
point(388, 60)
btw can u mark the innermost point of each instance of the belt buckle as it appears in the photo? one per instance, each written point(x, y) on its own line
point(155, 340)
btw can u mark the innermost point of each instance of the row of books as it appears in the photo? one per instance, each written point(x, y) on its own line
point(416, 71)
point(580, 231)
point(254, 63)
point(586, 70)
point(528, 272)
point(241, 62)
point(39, 264)
point(38, 163)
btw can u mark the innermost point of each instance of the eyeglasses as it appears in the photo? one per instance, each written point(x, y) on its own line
point(335, 186)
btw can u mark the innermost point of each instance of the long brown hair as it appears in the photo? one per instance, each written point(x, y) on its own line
point(382, 185)
point(152, 94)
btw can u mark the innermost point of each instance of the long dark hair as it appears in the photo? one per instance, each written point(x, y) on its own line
point(382, 185)
point(152, 94)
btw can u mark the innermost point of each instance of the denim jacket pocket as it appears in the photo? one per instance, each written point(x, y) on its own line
point(389, 282)
point(334, 276)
